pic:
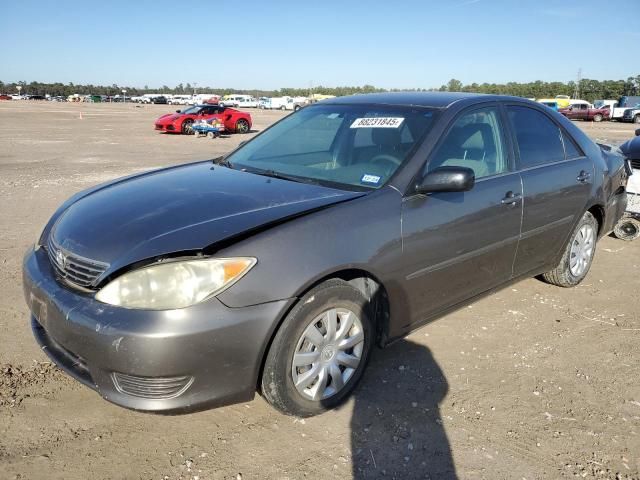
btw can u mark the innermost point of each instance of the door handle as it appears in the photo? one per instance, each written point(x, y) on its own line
point(583, 177)
point(511, 198)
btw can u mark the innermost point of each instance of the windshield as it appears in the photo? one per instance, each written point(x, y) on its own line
point(349, 145)
point(191, 111)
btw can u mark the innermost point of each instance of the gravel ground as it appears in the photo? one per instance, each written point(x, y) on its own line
point(532, 382)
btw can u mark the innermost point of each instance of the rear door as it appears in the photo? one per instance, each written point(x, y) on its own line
point(458, 244)
point(556, 177)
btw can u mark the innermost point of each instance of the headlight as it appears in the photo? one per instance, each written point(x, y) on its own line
point(172, 285)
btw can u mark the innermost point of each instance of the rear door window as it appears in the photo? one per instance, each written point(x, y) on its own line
point(539, 139)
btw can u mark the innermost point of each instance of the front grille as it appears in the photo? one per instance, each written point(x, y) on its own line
point(77, 270)
point(156, 388)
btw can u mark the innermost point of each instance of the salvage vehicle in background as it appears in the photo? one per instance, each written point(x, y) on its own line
point(239, 101)
point(346, 224)
point(632, 115)
point(624, 103)
point(585, 111)
point(628, 228)
point(181, 121)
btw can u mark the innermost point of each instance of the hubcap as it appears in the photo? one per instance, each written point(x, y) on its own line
point(243, 127)
point(582, 250)
point(327, 354)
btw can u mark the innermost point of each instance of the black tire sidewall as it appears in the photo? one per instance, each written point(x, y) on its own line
point(622, 235)
point(277, 370)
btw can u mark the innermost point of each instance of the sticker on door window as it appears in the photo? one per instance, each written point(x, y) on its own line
point(377, 122)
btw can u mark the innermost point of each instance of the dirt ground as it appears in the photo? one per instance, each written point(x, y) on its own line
point(532, 382)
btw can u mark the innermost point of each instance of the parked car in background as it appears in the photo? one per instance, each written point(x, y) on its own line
point(610, 104)
point(563, 101)
point(179, 99)
point(205, 98)
point(241, 101)
point(623, 104)
point(552, 104)
point(182, 120)
point(202, 283)
point(280, 103)
point(585, 111)
point(159, 100)
point(5, 97)
point(628, 228)
point(35, 97)
point(631, 115)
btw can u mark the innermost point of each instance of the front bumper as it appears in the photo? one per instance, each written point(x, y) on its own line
point(165, 127)
point(176, 361)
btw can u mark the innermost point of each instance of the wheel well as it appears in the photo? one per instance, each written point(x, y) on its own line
point(598, 212)
point(370, 288)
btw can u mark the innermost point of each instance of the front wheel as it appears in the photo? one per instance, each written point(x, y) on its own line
point(578, 255)
point(187, 127)
point(636, 119)
point(242, 126)
point(320, 351)
point(597, 118)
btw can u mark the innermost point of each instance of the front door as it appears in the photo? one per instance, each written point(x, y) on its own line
point(459, 244)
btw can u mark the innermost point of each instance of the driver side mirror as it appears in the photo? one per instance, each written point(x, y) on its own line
point(447, 179)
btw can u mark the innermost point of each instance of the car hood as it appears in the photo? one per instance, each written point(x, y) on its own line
point(181, 209)
point(169, 117)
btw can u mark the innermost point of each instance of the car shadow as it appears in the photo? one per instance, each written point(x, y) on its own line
point(396, 429)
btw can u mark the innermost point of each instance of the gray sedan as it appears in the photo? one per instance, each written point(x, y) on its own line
point(345, 225)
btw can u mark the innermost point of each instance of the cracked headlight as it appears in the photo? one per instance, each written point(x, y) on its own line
point(176, 284)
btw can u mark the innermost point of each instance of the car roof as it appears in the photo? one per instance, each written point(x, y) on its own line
point(420, 99)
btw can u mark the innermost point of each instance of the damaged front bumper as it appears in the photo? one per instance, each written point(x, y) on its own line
point(173, 361)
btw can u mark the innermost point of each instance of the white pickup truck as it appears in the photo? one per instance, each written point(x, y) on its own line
point(624, 103)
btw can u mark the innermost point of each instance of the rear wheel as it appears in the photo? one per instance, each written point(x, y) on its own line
point(187, 127)
point(320, 352)
point(578, 255)
point(283, 107)
point(242, 126)
point(627, 229)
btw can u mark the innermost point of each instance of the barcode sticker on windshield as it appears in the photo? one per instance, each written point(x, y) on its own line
point(377, 122)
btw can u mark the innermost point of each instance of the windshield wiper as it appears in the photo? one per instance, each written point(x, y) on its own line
point(221, 160)
point(281, 176)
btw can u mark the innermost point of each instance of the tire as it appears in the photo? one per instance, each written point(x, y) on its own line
point(186, 127)
point(311, 315)
point(636, 119)
point(242, 126)
point(597, 118)
point(296, 108)
point(627, 229)
point(283, 107)
point(575, 263)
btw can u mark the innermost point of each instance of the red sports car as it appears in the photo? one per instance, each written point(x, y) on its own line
point(181, 121)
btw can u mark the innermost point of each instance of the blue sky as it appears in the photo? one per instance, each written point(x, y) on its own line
point(273, 44)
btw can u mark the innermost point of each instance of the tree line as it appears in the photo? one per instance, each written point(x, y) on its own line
point(586, 89)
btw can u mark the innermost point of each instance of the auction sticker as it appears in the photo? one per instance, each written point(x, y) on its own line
point(377, 122)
